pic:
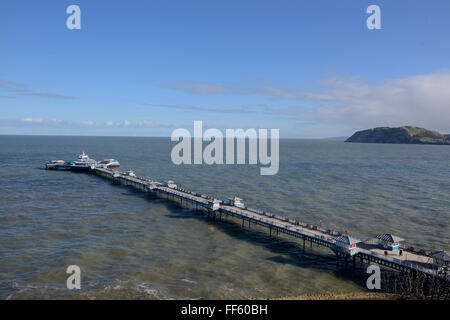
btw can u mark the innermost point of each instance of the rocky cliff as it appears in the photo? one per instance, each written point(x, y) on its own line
point(405, 134)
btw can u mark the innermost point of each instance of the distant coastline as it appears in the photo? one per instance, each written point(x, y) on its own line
point(400, 135)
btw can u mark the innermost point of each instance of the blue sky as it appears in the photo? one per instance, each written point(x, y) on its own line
point(310, 68)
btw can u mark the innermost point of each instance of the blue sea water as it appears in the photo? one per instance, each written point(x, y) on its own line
point(129, 246)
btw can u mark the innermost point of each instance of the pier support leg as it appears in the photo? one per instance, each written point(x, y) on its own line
point(270, 232)
point(242, 223)
point(304, 243)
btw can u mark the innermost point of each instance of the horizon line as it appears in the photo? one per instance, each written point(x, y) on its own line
point(130, 136)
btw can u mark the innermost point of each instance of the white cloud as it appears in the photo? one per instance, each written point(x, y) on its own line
point(145, 123)
point(189, 108)
point(88, 123)
point(42, 122)
point(203, 88)
point(422, 100)
point(39, 120)
point(20, 89)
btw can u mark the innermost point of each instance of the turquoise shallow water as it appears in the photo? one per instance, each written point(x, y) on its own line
point(130, 246)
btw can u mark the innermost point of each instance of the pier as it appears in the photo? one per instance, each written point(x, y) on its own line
point(344, 247)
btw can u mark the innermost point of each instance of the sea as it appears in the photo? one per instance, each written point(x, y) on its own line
point(132, 246)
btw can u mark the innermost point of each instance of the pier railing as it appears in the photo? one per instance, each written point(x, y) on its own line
point(285, 225)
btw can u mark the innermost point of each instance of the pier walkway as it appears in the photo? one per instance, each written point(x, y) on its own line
point(361, 252)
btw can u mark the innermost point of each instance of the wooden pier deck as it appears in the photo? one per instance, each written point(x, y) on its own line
point(364, 252)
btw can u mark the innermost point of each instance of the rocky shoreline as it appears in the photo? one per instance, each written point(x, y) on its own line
point(344, 296)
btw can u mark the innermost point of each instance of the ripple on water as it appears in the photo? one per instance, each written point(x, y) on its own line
point(132, 247)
